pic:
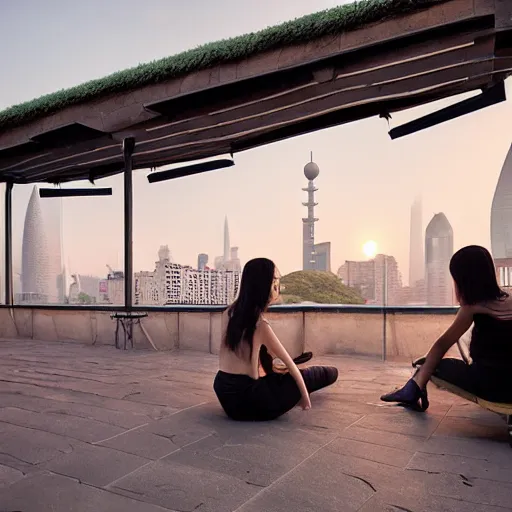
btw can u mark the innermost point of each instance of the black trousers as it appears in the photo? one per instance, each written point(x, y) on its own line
point(487, 382)
point(246, 399)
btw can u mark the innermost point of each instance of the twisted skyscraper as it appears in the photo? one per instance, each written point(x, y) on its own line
point(35, 256)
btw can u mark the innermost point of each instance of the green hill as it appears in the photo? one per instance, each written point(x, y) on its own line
point(319, 287)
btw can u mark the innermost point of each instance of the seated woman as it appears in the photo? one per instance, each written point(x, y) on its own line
point(489, 308)
point(248, 342)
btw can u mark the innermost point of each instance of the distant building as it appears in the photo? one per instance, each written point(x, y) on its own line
point(438, 253)
point(378, 280)
point(501, 224)
point(171, 283)
point(112, 289)
point(202, 261)
point(323, 256)
point(314, 256)
point(42, 272)
point(416, 257)
point(36, 268)
point(229, 259)
point(84, 286)
point(311, 171)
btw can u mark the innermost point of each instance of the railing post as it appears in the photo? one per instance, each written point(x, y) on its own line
point(8, 243)
point(384, 308)
point(128, 147)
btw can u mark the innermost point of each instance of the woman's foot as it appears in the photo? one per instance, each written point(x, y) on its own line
point(410, 395)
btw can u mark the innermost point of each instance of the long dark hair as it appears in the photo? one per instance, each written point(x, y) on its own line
point(473, 271)
point(253, 299)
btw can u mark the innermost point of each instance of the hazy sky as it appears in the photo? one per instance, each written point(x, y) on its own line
point(366, 185)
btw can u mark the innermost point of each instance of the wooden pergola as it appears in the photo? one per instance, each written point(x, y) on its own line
point(433, 50)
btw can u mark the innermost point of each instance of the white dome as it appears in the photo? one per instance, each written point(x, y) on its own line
point(311, 171)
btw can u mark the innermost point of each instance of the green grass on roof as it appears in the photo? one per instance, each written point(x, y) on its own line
point(332, 21)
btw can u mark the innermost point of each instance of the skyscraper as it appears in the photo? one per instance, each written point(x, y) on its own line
point(202, 261)
point(323, 256)
point(35, 256)
point(311, 171)
point(52, 214)
point(501, 223)
point(226, 240)
point(438, 252)
point(229, 259)
point(416, 258)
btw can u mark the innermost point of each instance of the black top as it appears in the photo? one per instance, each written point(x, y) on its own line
point(491, 341)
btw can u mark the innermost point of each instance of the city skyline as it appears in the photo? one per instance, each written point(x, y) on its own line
point(367, 180)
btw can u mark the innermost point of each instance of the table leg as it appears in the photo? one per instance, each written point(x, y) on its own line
point(117, 332)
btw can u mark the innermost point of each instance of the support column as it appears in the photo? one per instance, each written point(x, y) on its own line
point(8, 243)
point(128, 147)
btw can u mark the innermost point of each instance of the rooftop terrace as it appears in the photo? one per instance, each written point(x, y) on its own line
point(88, 429)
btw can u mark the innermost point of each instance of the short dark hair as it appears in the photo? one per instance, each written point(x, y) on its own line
point(473, 271)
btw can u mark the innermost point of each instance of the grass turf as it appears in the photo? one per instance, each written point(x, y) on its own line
point(307, 28)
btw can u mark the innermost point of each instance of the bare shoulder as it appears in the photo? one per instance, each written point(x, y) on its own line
point(501, 308)
point(263, 328)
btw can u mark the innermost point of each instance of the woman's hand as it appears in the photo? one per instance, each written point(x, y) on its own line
point(305, 403)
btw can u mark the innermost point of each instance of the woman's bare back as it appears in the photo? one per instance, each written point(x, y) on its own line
point(242, 362)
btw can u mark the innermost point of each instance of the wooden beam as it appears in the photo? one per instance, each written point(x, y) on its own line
point(352, 78)
point(250, 91)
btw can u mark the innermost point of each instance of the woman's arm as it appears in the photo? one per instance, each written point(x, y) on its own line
point(460, 325)
point(271, 341)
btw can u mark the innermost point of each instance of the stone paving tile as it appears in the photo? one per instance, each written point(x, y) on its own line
point(29, 392)
point(406, 442)
point(28, 446)
point(370, 451)
point(94, 465)
point(143, 430)
point(467, 428)
point(487, 450)
point(474, 490)
point(322, 482)
point(71, 426)
point(249, 457)
point(9, 475)
point(117, 418)
point(403, 421)
point(142, 443)
point(185, 488)
point(45, 492)
point(389, 501)
point(468, 467)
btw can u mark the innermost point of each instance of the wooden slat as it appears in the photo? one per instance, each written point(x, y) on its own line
point(483, 48)
point(239, 94)
point(323, 105)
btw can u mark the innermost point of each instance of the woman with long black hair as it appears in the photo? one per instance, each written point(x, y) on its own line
point(249, 342)
point(484, 304)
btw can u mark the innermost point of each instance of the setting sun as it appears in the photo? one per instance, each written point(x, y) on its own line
point(370, 249)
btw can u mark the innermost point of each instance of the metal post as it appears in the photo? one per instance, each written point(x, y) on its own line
point(384, 309)
point(8, 243)
point(128, 147)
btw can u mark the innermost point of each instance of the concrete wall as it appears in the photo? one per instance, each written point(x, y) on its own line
point(408, 335)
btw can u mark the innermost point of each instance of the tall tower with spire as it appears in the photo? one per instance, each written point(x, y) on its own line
point(311, 171)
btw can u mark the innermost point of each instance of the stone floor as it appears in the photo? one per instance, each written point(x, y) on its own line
point(92, 429)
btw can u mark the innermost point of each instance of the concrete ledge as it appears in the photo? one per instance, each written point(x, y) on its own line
point(324, 330)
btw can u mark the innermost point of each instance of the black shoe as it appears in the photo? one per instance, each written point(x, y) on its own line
point(303, 358)
point(410, 396)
